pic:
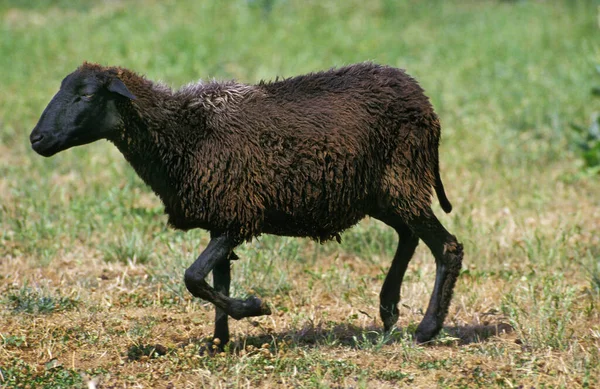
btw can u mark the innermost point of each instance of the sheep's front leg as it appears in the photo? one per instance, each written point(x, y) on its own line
point(219, 250)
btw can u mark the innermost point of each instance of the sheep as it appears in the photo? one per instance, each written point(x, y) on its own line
point(307, 156)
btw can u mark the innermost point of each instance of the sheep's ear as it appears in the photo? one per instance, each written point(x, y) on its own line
point(117, 86)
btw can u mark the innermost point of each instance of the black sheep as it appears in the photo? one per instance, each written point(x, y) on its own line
point(308, 156)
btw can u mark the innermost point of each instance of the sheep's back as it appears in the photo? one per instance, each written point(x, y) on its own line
point(305, 156)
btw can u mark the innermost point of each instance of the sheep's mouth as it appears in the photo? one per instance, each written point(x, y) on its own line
point(44, 146)
point(49, 144)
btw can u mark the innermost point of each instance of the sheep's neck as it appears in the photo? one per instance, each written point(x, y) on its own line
point(148, 145)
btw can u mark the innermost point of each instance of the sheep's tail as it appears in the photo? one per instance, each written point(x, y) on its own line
point(439, 191)
point(438, 185)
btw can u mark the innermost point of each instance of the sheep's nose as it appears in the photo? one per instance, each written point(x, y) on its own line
point(35, 137)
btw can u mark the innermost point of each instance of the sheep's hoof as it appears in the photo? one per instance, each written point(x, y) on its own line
point(211, 348)
point(252, 306)
point(426, 331)
point(389, 316)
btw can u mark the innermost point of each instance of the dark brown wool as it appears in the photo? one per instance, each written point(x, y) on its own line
point(307, 156)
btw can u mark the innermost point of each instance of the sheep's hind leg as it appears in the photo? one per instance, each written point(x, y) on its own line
point(448, 253)
point(390, 291)
point(216, 256)
point(221, 283)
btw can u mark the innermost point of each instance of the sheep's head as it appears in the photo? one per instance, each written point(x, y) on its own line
point(83, 111)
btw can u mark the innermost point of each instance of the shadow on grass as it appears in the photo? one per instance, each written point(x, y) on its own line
point(373, 336)
point(347, 335)
point(478, 333)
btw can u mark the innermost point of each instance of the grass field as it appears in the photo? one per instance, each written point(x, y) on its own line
point(91, 284)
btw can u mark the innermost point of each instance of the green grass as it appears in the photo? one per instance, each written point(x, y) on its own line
point(26, 300)
point(90, 274)
point(53, 376)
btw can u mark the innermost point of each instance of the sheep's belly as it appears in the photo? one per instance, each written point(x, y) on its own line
point(325, 228)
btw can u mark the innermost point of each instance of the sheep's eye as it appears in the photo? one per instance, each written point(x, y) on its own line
point(88, 96)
